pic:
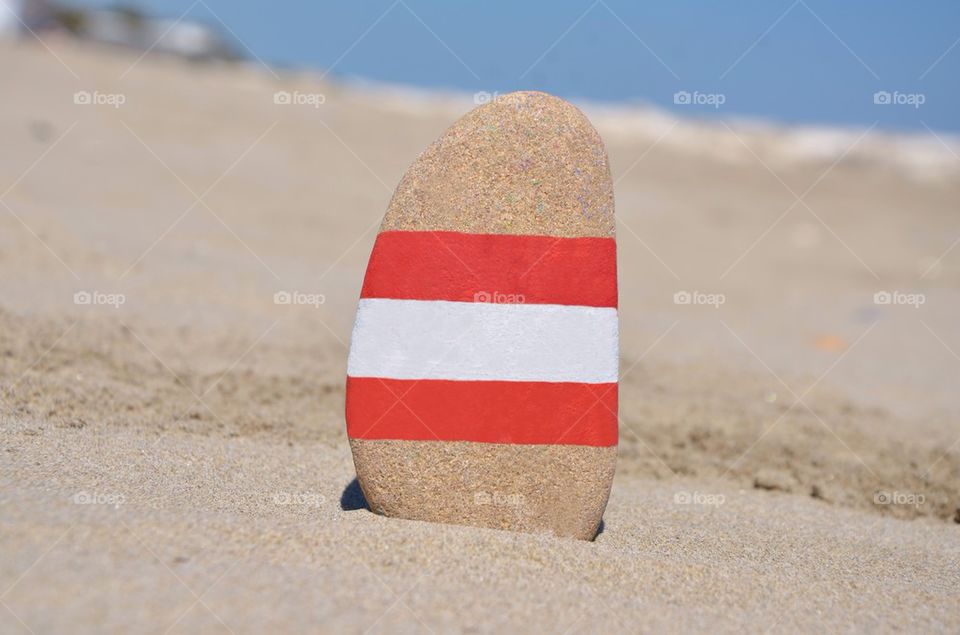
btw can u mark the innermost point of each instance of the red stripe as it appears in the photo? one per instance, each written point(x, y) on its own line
point(492, 267)
point(482, 411)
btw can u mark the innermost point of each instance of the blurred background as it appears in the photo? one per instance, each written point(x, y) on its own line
point(791, 61)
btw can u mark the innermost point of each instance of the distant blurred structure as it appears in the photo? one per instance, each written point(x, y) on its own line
point(119, 26)
point(21, 16)
point(130, 28)
point(9, 13)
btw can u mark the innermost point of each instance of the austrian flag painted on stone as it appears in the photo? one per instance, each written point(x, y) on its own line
point(489, 338)
point(482, 375)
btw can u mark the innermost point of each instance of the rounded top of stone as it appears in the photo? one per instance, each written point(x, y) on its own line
point(523, 163)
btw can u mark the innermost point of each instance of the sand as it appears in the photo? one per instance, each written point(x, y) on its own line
point(179, 463)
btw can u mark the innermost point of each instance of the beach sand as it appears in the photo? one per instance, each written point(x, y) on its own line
point(789, 459)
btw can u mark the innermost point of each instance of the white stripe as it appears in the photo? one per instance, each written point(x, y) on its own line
point(416, 339)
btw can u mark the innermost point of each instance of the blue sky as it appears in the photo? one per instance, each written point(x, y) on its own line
point(808, 61)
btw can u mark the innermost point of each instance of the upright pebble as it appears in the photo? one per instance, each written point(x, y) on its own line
point(482, 376)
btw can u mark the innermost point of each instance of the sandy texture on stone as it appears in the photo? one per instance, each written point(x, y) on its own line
point(204, 423)
point(525, 163)
point(555, 489)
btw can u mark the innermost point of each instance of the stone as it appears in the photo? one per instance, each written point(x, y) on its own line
point(482, 376)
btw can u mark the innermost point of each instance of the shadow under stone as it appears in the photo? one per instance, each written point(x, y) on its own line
point(352, 497)
point(599, 529)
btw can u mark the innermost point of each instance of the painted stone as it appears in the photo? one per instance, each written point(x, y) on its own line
point(482, 376)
